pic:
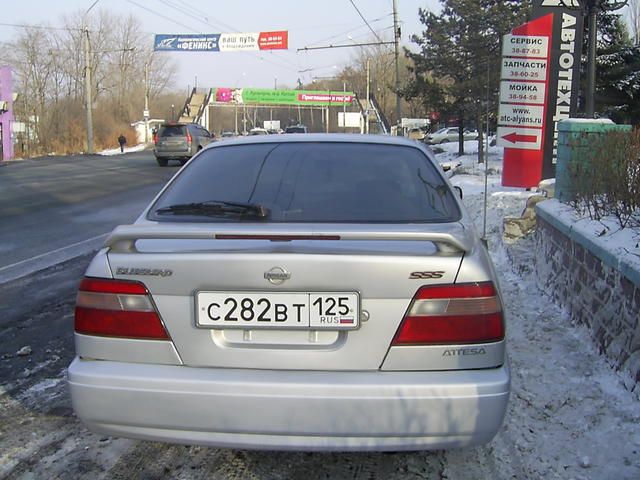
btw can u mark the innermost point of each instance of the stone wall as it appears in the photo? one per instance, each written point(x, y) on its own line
point(596, 289)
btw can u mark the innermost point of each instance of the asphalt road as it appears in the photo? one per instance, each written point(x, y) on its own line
point(55, 208)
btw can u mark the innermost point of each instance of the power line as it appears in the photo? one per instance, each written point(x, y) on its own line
point(291, 66)
point(164, 16)
point(365, 21)
point(190, 15)
point(206, 16)
point(92, 5)
point(317, 68)
point(350, 30)
point(348, 45)
point(41, 27)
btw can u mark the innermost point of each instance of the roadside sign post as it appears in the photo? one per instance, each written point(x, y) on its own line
point(539, 87)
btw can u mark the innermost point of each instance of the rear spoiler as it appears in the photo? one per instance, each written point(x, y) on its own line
point(448, 238)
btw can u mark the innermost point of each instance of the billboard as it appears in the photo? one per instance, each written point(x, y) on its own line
point(349, 119)
point(221, 42)
point(265, 96)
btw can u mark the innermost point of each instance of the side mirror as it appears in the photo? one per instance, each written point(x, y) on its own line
point(459, 190)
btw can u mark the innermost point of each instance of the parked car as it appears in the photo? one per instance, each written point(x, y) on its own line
point(417, 133)
point(180, 141)
point(258, 131)
point(296, 129)
point(449, 134)
point(299, 292)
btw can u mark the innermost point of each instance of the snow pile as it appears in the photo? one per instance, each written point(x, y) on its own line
point(116, 151)
point(570, 416)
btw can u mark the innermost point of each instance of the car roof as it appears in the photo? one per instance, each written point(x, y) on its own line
point(180, 124)
point(324, 138)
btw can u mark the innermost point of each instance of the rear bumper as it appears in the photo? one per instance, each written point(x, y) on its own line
point(290, 410)
point(173, 154)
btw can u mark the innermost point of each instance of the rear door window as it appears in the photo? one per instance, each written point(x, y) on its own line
point(317, 182)
point(172, 131)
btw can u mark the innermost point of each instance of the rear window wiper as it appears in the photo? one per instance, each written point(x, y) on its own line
point(216, 208)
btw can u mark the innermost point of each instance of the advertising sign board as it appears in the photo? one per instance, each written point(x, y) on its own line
point(540, 71)
point(222, 42)
point(531, 93)
point(521, 115)
point(265, 96)
point(523, 69)
point(526, 46)
point(271, 124)
point(349, 119)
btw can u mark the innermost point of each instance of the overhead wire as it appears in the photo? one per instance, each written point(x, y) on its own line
point(341, 34)
point(173, 20)
point(207, 16)
point(191, 15)
point(365, 20)
point(348, 31)
point(291, 66)
point(41, 27)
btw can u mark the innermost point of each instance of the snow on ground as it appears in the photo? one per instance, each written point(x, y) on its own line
point(116, 151)
point(570, 416)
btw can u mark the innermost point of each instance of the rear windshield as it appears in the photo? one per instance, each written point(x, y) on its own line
point(172, 131)
point(315, 182)
point(296, 130)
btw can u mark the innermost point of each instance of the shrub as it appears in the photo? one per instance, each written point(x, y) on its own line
point(607, 183)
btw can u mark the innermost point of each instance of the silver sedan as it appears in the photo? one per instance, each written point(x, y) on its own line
point(301, 292)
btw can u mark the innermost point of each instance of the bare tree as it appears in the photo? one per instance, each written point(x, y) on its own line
point(49, 65)
point(634, 17)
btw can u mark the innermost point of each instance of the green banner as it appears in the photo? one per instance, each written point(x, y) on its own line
point(264, 96)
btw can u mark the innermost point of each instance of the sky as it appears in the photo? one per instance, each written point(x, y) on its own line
point(318, 23)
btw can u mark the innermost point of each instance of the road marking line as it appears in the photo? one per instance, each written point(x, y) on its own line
point(52, 252)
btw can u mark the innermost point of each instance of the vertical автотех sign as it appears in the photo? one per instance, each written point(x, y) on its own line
point(540, 78)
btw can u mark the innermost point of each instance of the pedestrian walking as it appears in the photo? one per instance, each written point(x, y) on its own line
point(122, 140)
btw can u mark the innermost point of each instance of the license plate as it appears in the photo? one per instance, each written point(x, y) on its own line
point(283, 310)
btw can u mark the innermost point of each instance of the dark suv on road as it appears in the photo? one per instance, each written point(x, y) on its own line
point(180, 141)
point(296, 129)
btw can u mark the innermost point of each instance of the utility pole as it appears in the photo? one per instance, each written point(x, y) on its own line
point(366, 117)
point(146, 103)
point(87, 90)
point(344, 106)
point(396, 36)
point(590, 107)
point(236, 111)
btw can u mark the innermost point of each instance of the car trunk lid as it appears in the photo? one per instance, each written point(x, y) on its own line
point(184, 266)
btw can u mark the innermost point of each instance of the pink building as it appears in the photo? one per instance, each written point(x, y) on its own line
point(6, 113)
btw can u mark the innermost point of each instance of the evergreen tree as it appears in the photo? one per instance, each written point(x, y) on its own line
point(618, 71)
point(459, 57)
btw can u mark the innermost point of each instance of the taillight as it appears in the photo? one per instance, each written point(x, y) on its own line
point(155, 138)
point(189, 139)
point(117, 308)
point(452, 314)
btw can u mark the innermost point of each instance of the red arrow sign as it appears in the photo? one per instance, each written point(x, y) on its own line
point(515, 138)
